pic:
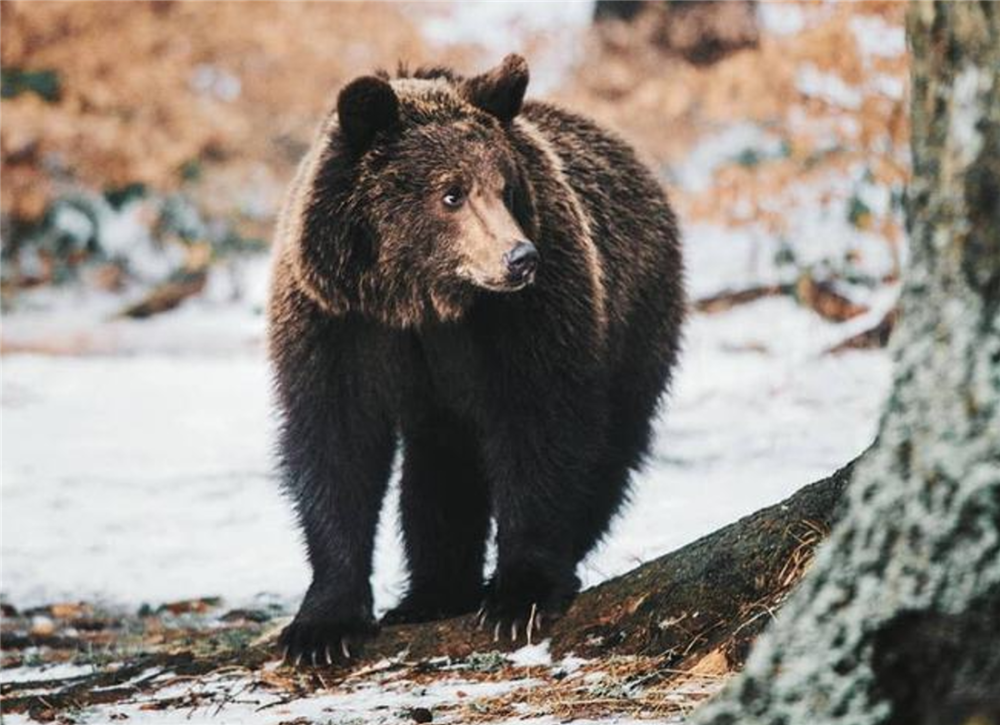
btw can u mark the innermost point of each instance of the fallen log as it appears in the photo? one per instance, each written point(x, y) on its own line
point(696, 608)
point(818, 295)
point(170, 294)
point(873, 337)
point(825, 300)
point(727, 299)
point(713, 595)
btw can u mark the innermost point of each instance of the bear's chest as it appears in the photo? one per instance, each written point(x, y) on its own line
point(455, 369)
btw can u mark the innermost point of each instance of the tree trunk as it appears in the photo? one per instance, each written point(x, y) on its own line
point(899, 619)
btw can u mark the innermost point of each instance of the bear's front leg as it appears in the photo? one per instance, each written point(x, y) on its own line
point(337, 473)
point(539, 459)
point(445, 514)
point(337, 442)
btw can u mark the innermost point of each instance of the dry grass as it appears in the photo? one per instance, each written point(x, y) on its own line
point(636, 687)
point(147, 87)
point(665, 106)
point(147, 96)
point(142, 120)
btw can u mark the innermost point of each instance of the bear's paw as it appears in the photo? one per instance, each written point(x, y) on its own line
point(520, 602)
point(321, 643)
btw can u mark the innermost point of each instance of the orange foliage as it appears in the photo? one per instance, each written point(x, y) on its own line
point(665, 107)
point(150, 86)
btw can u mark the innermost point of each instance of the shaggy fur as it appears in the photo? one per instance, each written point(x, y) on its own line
point(528, 406)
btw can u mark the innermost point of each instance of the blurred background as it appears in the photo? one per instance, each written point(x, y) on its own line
point(145, 151)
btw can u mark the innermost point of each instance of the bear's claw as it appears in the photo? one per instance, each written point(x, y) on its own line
point(319, 643)
point(522, 600)
point(530, 626)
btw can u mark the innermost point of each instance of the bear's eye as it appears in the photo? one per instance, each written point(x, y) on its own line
point(453, 198)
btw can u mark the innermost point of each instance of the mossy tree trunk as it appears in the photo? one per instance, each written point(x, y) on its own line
point(898, 621)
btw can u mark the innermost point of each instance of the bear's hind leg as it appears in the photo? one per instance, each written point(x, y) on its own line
point(609, 491)
point(637, 390)
point(445, 514)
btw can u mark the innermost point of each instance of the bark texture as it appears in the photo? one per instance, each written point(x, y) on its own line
point(713, 595)
point(899, 619)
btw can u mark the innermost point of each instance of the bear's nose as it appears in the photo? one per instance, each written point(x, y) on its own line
point(521, 261)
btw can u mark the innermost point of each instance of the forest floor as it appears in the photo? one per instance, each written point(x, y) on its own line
point(149, 559)
point(138, 479)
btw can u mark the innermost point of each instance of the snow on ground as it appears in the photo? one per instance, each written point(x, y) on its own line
point(380, 700)
point(137, 462)
point(144, 472)
point(382, 694)
point(63, 670)
point(757, 413)
point(499, 27)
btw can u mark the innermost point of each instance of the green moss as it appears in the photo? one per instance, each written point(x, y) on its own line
point(858, 212)
point(119, 196)
point(45, 83)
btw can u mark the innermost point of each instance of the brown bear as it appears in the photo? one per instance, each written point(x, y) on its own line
point(493, 286)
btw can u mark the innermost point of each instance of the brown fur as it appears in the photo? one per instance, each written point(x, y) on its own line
point(397, 317)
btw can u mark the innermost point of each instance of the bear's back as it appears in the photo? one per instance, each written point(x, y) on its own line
point(631, 223)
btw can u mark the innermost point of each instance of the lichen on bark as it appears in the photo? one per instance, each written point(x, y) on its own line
point(899, 619)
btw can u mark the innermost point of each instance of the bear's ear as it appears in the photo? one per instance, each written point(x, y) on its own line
point(366, 106)
point(500, 91)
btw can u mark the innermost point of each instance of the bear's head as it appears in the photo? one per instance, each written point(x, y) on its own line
point(419, 201)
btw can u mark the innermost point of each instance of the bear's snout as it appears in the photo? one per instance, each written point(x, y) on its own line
point(521, 263)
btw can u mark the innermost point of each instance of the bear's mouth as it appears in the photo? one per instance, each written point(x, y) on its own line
point(526, 281)
point(502, 285)
point(506, 286)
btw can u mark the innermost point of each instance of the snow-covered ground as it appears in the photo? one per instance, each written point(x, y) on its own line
point(137, 459)
point(142, 471)
point(385, 693)
point(137, 456)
